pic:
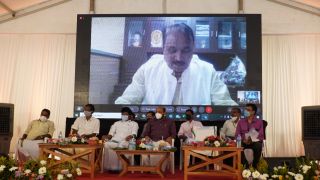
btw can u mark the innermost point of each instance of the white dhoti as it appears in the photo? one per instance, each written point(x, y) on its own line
point(28, 149)
point(110, 159)
point(152, 160)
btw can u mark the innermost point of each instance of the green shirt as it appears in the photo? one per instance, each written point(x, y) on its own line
point(38, 128)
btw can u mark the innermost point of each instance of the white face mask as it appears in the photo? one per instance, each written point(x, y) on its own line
point(234, 118)
point(43, 118)
point(124, 117)
point(158, 115)
point(87, 113)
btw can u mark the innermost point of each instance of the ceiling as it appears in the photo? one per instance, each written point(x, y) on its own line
point(7, 6)
point(10, 9)
point(312, 3)
point(308, 6)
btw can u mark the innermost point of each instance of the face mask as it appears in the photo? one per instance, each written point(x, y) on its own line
point(87, 113)
point(234, 118)
point(158, 115)
point(188, 117)
point(246, 113)
point(124, 117)
point(43, 118)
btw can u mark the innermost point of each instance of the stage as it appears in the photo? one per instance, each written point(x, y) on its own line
point(275, 161)
point(147, 176)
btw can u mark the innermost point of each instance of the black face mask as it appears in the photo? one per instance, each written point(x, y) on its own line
point(188, 116)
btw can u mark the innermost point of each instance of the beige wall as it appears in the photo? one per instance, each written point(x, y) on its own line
point(101, 28)
point(279, 19)
point(62, 18)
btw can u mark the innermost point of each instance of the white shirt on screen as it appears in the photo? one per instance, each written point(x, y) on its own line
point(84, 126)
point(122, 129)
point(186, 128)
point(154, 83)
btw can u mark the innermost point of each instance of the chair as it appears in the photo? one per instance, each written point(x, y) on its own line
point(181, 155)
point(171, 160)
point(264, 146)
point(248, 154)
point(202, 133)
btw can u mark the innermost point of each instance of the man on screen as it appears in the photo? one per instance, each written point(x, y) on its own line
point(176, 77)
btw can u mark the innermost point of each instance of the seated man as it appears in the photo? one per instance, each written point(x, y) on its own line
point(150, 116)
point(36, 131)
point(159, 129)
point(229, 127)
point(228, 130)
point(251, 131)
point(86, 126)
point(121, 132)
point(186, 128)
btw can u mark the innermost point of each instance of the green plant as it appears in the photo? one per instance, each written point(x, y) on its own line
point(308, 168)
point(67, 170)
point(263, 166)
point(37, 170)
point(6, 170)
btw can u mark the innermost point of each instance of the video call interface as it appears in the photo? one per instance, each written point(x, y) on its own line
point(209, 63)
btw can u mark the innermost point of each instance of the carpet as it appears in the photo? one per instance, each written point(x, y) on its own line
point(147, 176)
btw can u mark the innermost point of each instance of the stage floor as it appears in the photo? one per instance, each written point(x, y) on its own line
point(147, 176)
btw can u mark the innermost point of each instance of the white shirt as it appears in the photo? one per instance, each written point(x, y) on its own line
point(85, 126)
point(186, 128)
point(154, 83)
point(229, 128)
point(122, 129)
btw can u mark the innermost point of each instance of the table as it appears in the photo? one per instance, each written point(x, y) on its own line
point(126, 163)
point(79, 151)
point(224, 153)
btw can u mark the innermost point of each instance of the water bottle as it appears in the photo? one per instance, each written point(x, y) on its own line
point(45, 140)
point(238, 141)
point(60, 137)
point(132, 144)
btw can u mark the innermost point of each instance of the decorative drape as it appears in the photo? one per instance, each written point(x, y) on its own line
point(290, 80)
point(37, 71)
